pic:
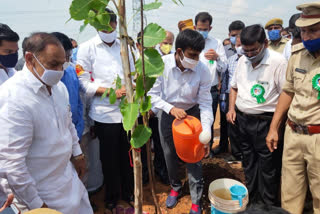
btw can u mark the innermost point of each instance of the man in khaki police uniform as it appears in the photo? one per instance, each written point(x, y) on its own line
point(274, 28)
point(301, 96)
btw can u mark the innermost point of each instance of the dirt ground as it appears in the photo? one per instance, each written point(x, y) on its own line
point(213, 168)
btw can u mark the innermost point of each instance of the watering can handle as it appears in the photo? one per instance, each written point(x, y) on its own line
point(191, 126)
point(240, 200)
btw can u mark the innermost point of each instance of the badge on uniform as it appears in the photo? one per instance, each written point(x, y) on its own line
point(316, 84)
point(79, 70)
point(258, 91)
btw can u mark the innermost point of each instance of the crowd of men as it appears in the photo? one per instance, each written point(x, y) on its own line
point(60, 141)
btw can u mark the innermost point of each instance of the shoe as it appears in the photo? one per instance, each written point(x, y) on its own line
point(172, 199)
point(195, 209)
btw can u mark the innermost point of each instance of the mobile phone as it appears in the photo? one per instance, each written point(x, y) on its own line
point(12, 209)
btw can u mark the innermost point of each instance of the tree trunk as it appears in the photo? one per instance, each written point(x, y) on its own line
point(138, 190)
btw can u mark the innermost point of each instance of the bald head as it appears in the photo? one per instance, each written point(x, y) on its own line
point(169, 38)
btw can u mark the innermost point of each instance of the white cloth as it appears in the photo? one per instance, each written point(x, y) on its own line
point(106, 65)
point(38, 139)
point(287, 50)
point(4, 76)
point(220, 65)
point(3, 194)
point(270, 73)
point(183, 90)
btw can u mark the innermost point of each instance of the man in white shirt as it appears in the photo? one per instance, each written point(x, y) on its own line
point(99, 60)
point(213, 56)
point(38, 137)
point(8, 52)
point(256, 86)
point(183, 89)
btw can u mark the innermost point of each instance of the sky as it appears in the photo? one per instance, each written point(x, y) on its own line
point(26, 16)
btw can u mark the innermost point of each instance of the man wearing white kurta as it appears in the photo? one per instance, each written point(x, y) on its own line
point(38, 138)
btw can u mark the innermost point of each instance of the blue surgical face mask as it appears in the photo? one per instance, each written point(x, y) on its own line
point(9, 61)
point(204, 33)
point(274, 35)
point(312, 45)
point(233, 40)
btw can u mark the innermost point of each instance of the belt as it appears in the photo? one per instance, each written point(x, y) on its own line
point(263, 116)
point(307, 130)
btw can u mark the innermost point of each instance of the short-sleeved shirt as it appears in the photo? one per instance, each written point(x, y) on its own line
point(280, 46)
point(302, 67)
point(270, 74)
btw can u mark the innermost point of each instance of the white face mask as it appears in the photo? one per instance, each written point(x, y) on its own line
point(50, 77)
point(239, 50)
point(108, 37)
point(188, 63)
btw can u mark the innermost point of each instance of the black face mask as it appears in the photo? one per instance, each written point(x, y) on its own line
point(9, 61)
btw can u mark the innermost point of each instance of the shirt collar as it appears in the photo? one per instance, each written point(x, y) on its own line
point(33, 82)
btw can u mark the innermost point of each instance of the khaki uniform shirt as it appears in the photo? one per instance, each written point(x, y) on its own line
point(280, 46)
point(302, 67)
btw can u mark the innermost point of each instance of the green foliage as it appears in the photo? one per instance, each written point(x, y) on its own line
point(139, 87)
point(118, 83)
point(112, 96)
point(130, 112)
point(152, 6)
point(153, 35)
point(92, 12)
point(153, 63)
point(149, 82)
point(140, 136)
point(145, 105)
point(104, 95)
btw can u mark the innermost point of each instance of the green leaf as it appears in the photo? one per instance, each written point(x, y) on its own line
point(149, 82)
point(103, 18)
point(153, 35)
point(82, 27)
point(140, 136)
point(153, 63)
point(91, 14)
point(152, 6)
point(104, 95)
point(139, 87)
point(130, 112)
point(177, 2)
point(146, 105)
point(112, 96)
point(79, 9)
point(118, 83)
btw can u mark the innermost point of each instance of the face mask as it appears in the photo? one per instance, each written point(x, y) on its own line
point(259, 57)
point(312, 45)
point(9, 61)
point(239, 50)
point(188, 63)
point(204, 33)
point(233, 40)
point(108, 37)
point(166, 48)
point(274, 35)
point(50, 77)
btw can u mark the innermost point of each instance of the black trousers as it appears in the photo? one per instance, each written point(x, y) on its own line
point(159, 161)
point(261, 167)
point(215, 101)
point(117, 172)
point(224, 135)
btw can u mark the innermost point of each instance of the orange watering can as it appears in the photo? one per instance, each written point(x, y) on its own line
point(186, 139)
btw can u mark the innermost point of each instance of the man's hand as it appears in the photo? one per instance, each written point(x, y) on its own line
point(79, 163)
point(120, 93)
point(211, 55)
point(178, 113)
point(272, 139)
point(44, 205)
point(231, 116)
point(206, 150)
point(181, 25)
point(8, 202)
